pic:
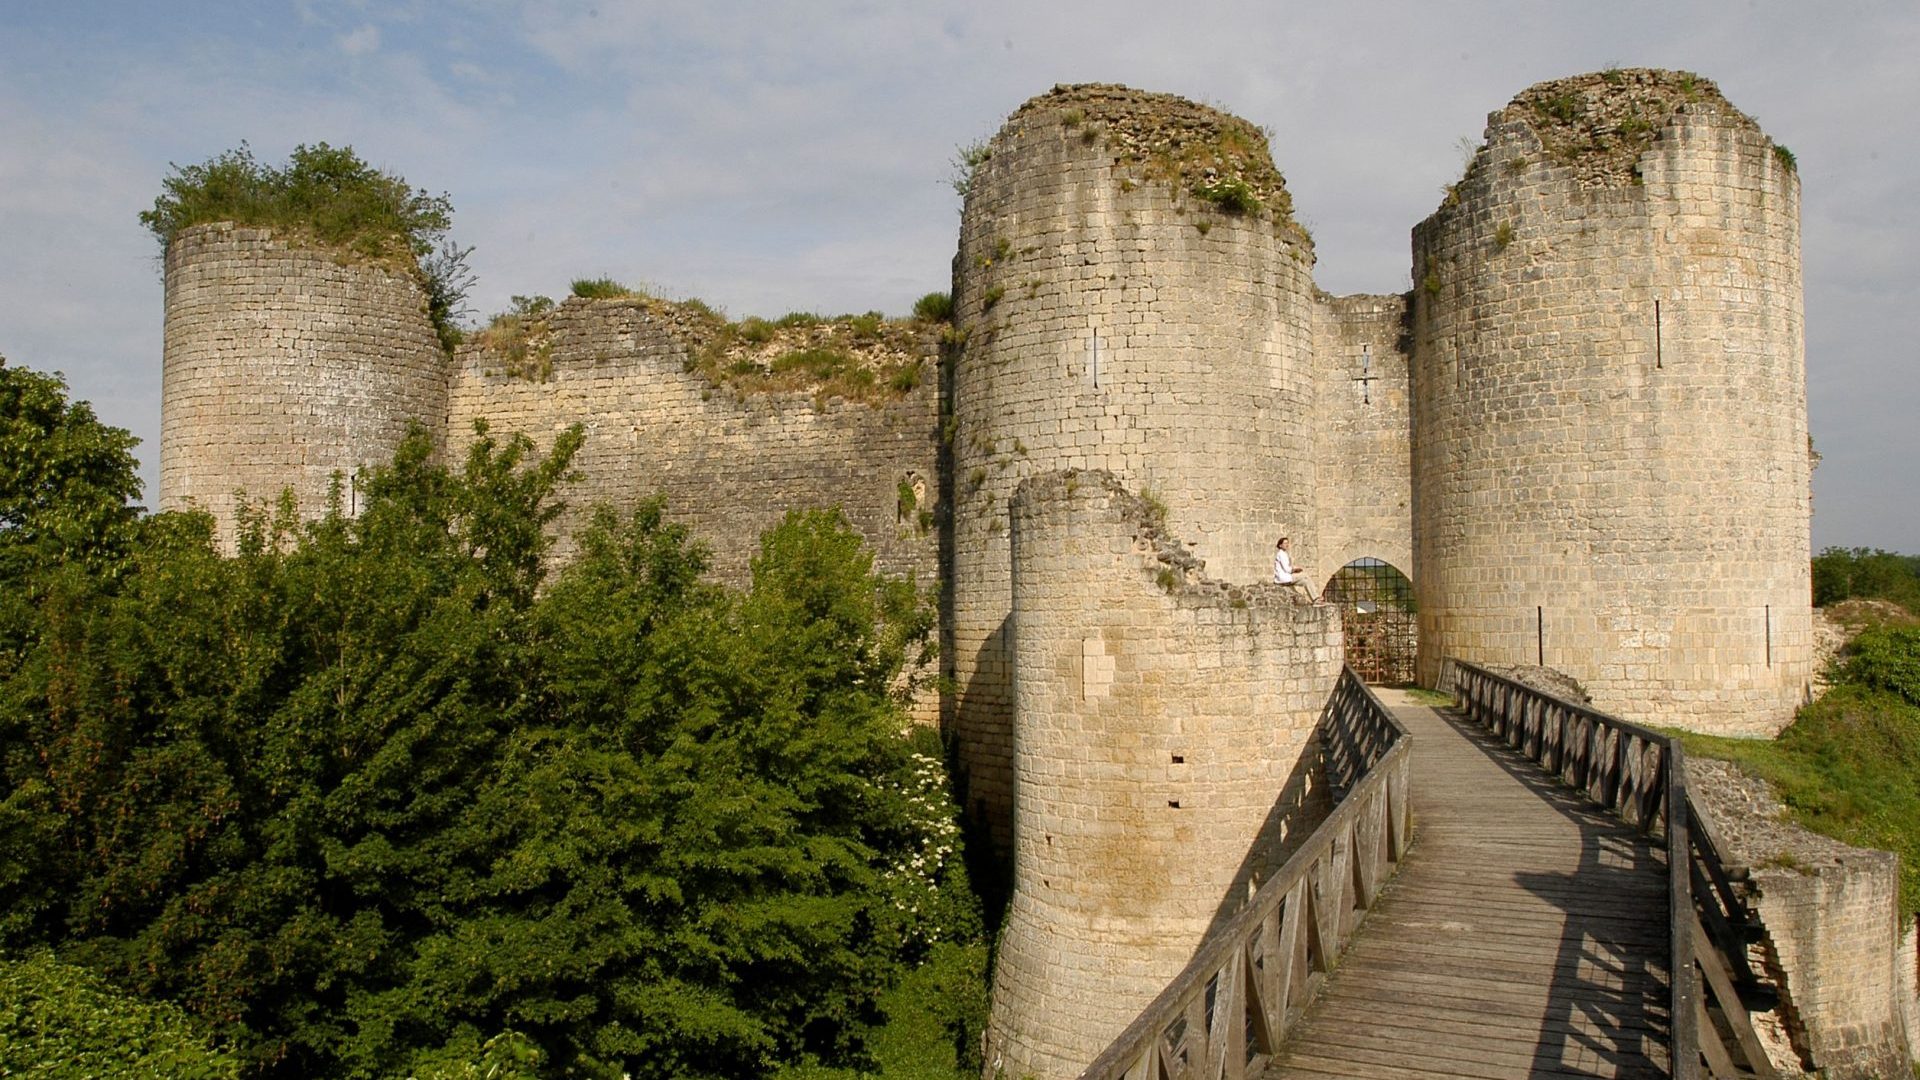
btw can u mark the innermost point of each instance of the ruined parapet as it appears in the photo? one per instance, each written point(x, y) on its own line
point(1135, 296)
point(1362, 414)
point(286, 364)
point(1165, 723)
point(1610, 441)
point(731, 457)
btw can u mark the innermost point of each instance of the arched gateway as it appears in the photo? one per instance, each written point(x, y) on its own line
point(1377, 608)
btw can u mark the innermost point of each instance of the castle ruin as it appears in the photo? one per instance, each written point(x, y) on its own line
point(1582, 435)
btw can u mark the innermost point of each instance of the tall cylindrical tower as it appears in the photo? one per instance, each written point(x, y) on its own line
point(1610, 435)
point(1165, 752)
point(286, 363)
point(1134, 296)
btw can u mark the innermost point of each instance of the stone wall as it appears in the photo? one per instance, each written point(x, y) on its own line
point(730, 464)
point(1906, 969)
point(1165, 722)
point(1362, 422)
point(1116, 320)
point(1832, 919)
point(1609, 405)
point(285, 363)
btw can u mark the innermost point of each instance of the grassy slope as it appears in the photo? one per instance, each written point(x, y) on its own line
point(1849, 765)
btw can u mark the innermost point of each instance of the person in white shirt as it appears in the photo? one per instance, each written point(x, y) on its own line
point(1285, 573)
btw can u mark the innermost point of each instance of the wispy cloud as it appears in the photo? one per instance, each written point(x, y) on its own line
point(363, 40)
point(772, 156)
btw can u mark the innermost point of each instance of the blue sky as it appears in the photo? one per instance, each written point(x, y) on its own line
point(771, 157)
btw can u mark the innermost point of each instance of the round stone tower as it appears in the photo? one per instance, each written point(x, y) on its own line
point(1133, 295)
point(1164, 761)
point(1610, 435)
point(286, 363)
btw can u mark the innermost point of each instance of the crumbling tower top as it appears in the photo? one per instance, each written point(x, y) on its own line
point(1195, 150)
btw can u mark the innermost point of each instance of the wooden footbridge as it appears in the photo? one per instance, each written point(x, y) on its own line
point(1558, 881)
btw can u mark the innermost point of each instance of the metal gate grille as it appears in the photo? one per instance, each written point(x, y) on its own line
point(1376, 603)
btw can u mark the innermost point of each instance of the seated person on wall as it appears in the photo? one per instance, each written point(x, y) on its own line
point(1285, 573)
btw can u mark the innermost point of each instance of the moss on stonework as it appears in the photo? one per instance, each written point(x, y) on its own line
point(520, 340)
point(1600, 123)
point(865, 358)
point(1197, 151)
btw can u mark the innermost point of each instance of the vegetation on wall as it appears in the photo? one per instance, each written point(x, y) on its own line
point(519, 338)
point(934, 307)
point(330, 196)
point(602, 288)
point(1601, 123)
point(1849, 765)
point(374, 798)
point(867, 358)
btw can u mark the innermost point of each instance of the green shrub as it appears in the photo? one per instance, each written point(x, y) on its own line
point(600, 288)
point(754, 330)
point(519, 337)
point(967, 161)
point(1885, 658)
point(327, 194)
point(934, 307)
point(865, 327)
point(904, 378)
point(1230, 194)
point(816, 363)
point(1564, 107)
point(63, 1022)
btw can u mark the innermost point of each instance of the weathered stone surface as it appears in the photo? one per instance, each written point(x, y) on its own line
point(730, 464)
point(1161, 714)
point(285, 365)
point(1198, 392)
point(1609, 437)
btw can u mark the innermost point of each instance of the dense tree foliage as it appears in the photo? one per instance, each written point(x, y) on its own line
point(1866, 573)
point(372, 798)
point(63, 1022)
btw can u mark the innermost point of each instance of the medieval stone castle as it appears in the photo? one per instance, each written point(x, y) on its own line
point(1582, 434)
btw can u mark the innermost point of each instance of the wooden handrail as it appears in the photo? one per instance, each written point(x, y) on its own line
point(1639, 775)
point(1226, 1013)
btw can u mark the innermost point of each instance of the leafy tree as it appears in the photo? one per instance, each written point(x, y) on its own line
point(1848, 573)
point(66, 527)
point(368, 801)
point(66, 480)
point(63, 1022)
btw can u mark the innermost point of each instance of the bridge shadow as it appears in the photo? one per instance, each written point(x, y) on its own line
point(1607, 999)
point(1304, 802)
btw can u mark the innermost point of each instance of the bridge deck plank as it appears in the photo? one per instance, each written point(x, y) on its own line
point(1525, 935)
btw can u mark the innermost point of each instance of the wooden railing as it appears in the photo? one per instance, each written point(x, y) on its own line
point(1640, 776)
point(1223, 1016)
